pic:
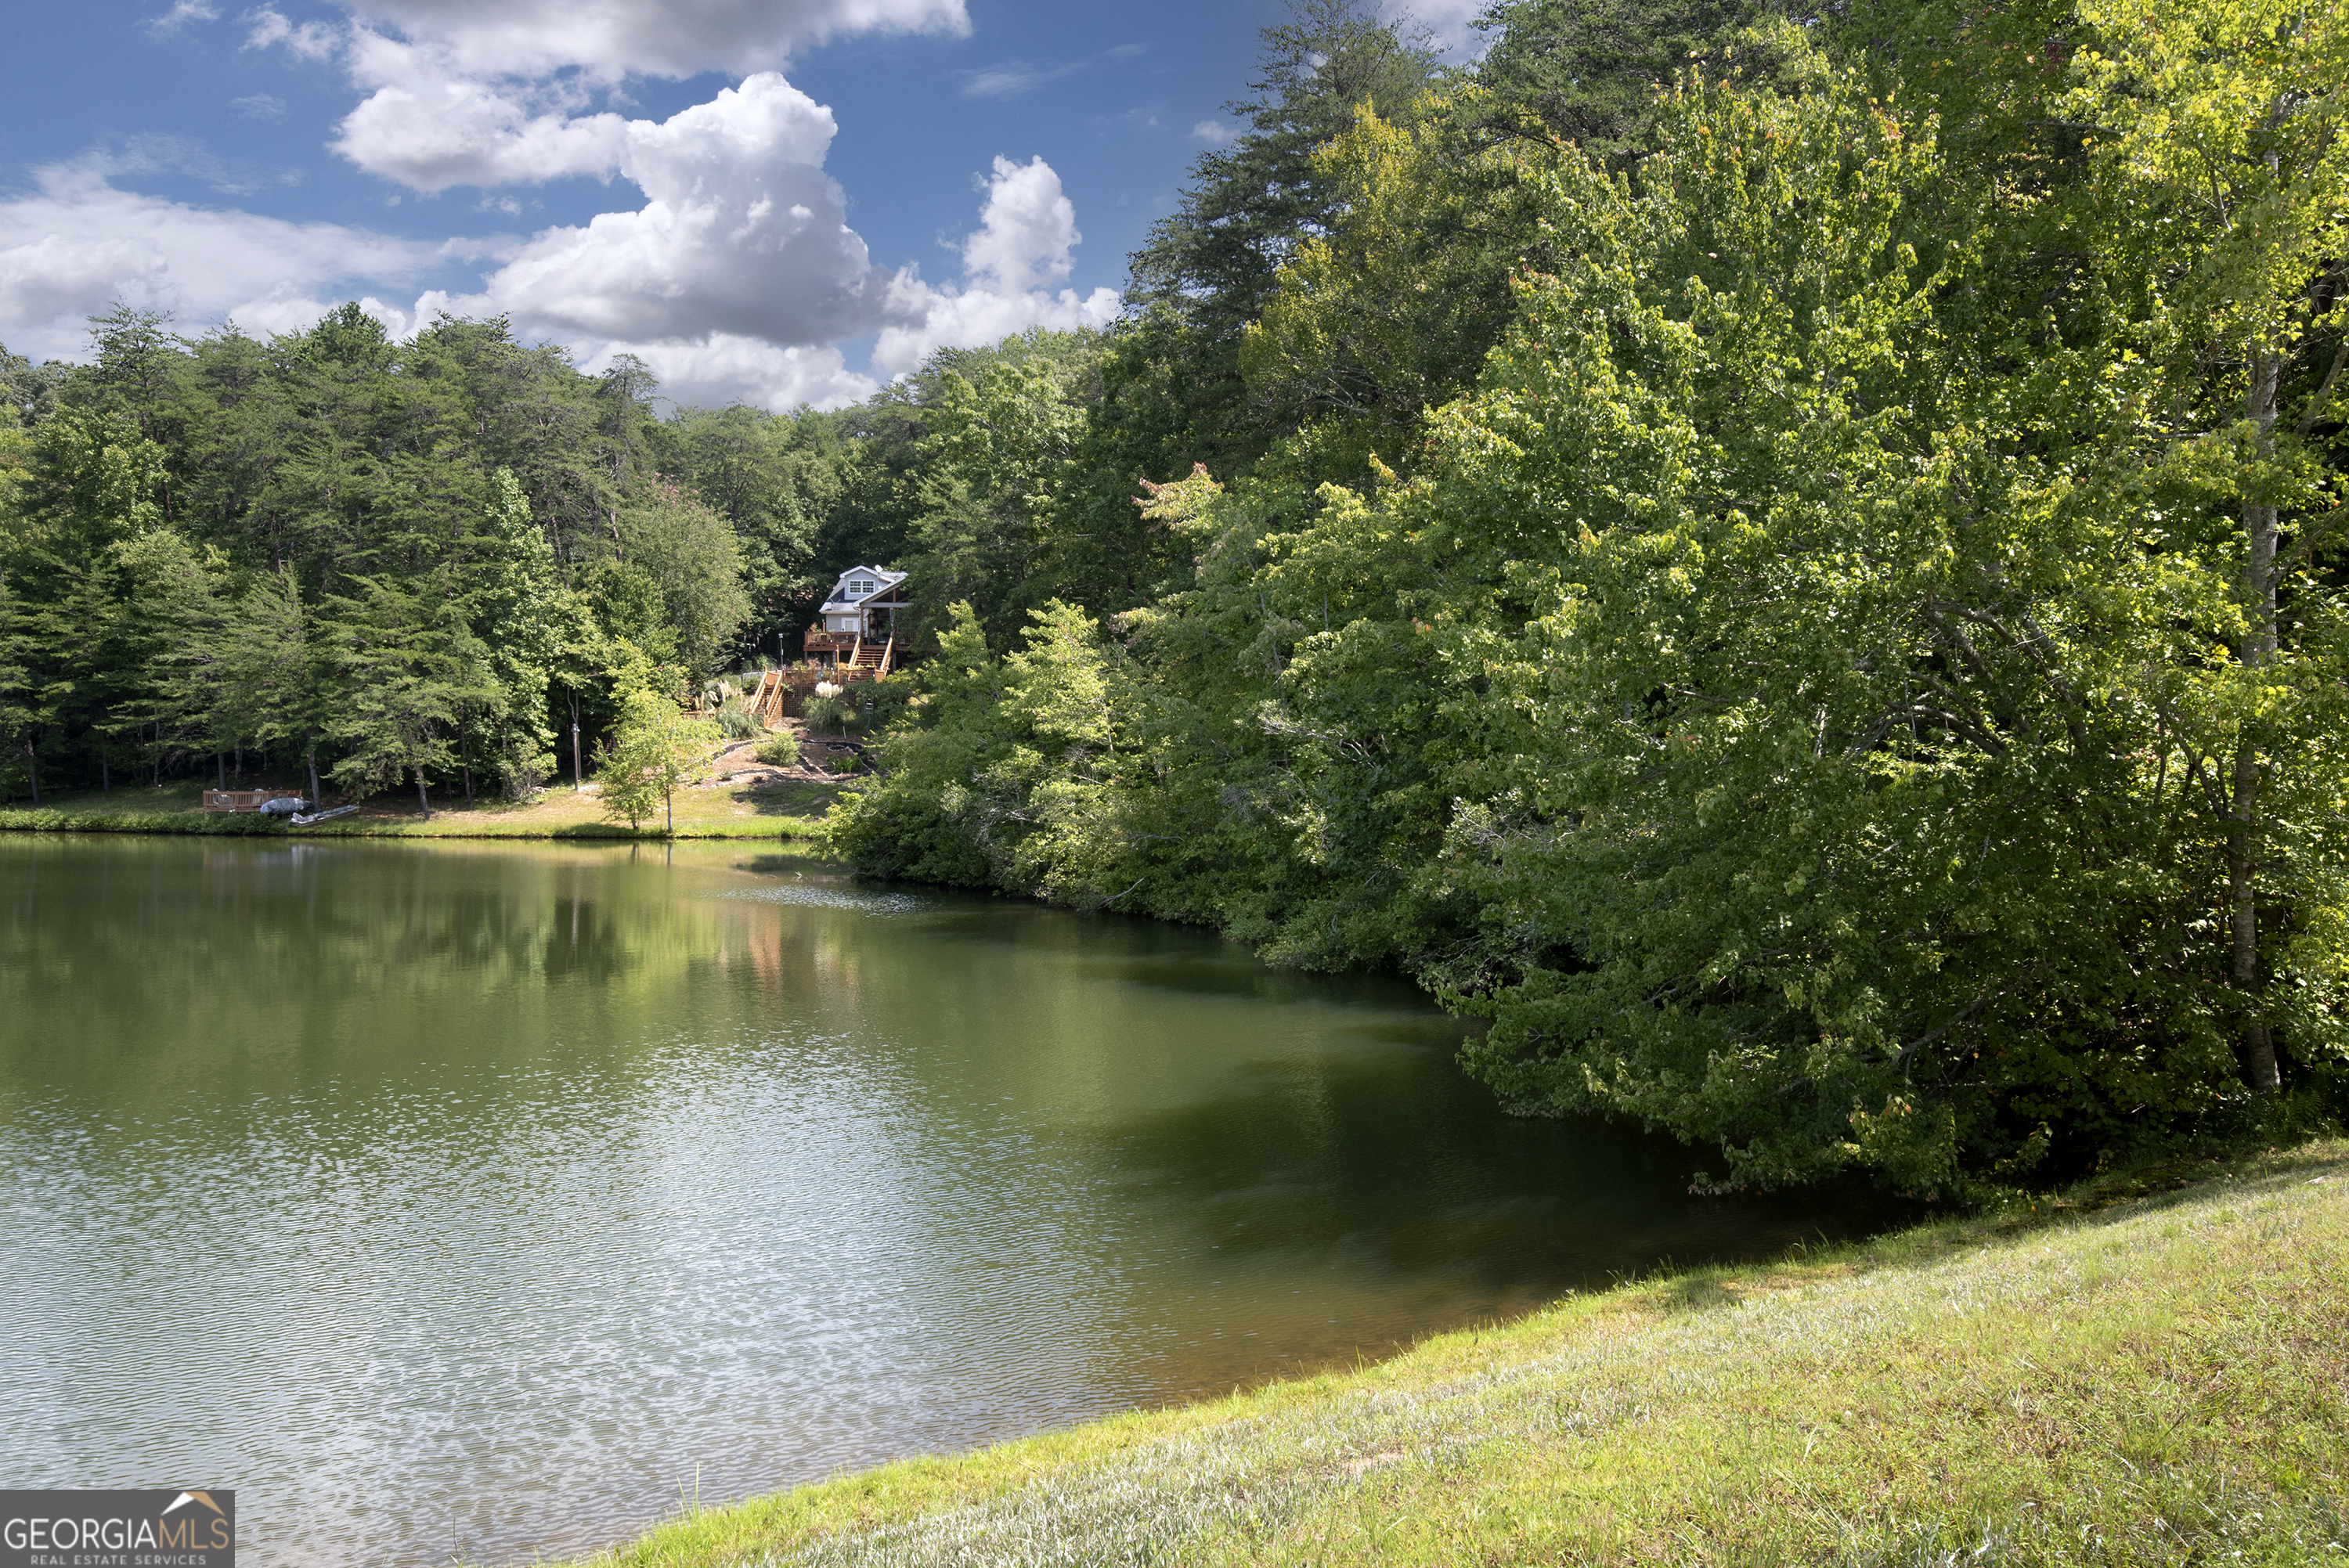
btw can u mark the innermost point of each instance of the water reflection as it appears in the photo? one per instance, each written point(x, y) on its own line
point(470, 1199)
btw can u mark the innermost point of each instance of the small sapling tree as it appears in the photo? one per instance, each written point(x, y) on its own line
point(655, 748)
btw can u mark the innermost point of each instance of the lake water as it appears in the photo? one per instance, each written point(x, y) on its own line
point(468, 1202)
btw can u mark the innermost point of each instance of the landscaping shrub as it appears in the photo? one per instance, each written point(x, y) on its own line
point(832, 715)
point(736, 721)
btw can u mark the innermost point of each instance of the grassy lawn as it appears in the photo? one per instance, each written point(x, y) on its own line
point(2134, 1376)
point(744, 807)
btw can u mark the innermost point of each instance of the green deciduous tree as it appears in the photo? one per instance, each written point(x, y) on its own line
point(2231, 117)
point(774, 480)
point(690, 556)
point(999, 442)
point(1859, 786)
point(655, 749)
point(1003, 776)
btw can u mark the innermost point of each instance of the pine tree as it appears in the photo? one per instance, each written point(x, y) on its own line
point(22, 715)
point(273, 673)
point(408, 666)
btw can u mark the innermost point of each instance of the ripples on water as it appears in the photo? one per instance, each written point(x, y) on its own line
point(468, 1202)
point(862, 900)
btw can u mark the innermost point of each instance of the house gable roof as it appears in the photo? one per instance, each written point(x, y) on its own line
point(841, 601)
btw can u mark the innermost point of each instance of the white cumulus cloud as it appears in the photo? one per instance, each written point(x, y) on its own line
point(730, 289)
point(1026, 229)
point(728, 369)
point(77, 242)
point(740, 269)
point(741, 233)
point(483, 92)
point(430, 129)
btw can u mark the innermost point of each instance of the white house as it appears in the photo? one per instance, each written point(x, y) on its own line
point(860, 616)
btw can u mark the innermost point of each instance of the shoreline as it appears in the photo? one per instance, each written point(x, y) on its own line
point(173, 827)
point(773, 806)
point(2148, 1368)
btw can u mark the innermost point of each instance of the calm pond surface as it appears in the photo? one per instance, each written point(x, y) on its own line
point(468, 1202)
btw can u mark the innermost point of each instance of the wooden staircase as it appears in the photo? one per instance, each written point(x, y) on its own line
point(780, 693)
point(767, 702)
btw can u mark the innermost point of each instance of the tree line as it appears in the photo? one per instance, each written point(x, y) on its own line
point(1788, 560)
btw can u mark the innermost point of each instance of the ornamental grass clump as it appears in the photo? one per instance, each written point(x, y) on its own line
point(834, 711)
point(735, 719)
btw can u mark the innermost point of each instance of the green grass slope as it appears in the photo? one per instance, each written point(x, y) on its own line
point(727, 809)
point(2158, 1380)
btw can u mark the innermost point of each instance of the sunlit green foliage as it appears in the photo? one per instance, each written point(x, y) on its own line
point(655, 750)
point(1812, 693)
point(1002, 435)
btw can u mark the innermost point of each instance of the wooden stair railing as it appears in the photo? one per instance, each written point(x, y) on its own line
point(767, 706)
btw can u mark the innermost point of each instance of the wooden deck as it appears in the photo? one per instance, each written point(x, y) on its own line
point(857, 657)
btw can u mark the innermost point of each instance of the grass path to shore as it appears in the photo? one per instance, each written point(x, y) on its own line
point(2138, 1376)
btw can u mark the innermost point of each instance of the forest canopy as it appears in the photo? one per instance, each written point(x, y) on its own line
point(1791, 562)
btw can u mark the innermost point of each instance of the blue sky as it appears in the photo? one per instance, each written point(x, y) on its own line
point(774, 201)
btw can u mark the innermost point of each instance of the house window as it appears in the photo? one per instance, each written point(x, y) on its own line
point(861, 585)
